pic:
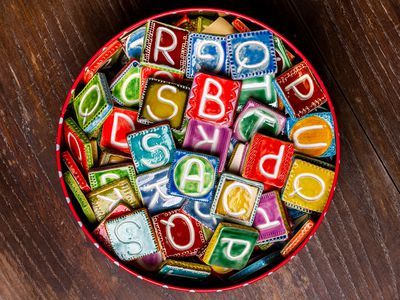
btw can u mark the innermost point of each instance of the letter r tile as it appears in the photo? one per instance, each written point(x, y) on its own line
point(165, 45)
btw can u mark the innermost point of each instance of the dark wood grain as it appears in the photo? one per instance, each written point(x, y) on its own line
point(354, 46)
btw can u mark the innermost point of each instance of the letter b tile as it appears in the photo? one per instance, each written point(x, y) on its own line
point(213, 99)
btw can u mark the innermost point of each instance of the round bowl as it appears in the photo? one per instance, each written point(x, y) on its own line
point(137, 273)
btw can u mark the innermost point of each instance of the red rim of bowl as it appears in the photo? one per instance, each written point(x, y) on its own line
point(113, 259)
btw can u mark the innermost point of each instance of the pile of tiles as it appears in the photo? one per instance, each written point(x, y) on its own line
point(199, 150)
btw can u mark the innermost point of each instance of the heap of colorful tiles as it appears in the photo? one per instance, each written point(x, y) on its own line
point(199, 150)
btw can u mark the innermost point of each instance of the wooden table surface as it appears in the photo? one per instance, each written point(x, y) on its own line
point(354, 45)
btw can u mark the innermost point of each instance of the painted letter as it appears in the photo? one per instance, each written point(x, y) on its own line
point(278, 163)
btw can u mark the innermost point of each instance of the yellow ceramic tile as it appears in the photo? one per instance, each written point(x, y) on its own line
point(163, 101)
point(308, 186)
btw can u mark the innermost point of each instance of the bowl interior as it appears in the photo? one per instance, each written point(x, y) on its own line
point(190, 285)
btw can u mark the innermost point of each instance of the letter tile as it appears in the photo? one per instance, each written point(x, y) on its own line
point(299, 90)
point(213, 99)
point(151, 148)
point(251, 54)
point(180, 235)
point(193, 175)
point(132, 236)
point(231, 246)
point(268, 161)
point(236, 199)
point(308, 186)
point(152, 187)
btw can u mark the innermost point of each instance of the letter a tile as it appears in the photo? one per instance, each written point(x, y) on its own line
point(193, 175)
point(213, 99)
point(231, 246)
point(179, 234)
point(268, 161)
point(252, 54)
point(151, 148)
point(165, 45)
point(308, 186)
point(299, 90)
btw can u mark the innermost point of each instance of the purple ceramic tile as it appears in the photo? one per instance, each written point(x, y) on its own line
point(270, 219)
point(209, 139)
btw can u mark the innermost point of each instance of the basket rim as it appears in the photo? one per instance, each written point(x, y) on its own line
point(144, 277)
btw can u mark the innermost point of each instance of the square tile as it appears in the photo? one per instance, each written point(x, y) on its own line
point(107, 174)
point(165, 45)
point(132, 235)
point(116, 127)
point(251, 54)
point(308, 186)
point(193, 175)
point(268, 161)
point(93, 104)
point(270, 219)
point(125, 87)
point(79, 145)
point(313, 134)
point(236, 199)
point(152, 187)
point(213, 99)
point(163, 101)
point(104, 199)
point(206, 53)
point(231, 246)
point(256, 117)
point(151, 148)
point(209, 139)
point(299, 90)
point(180, 235)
